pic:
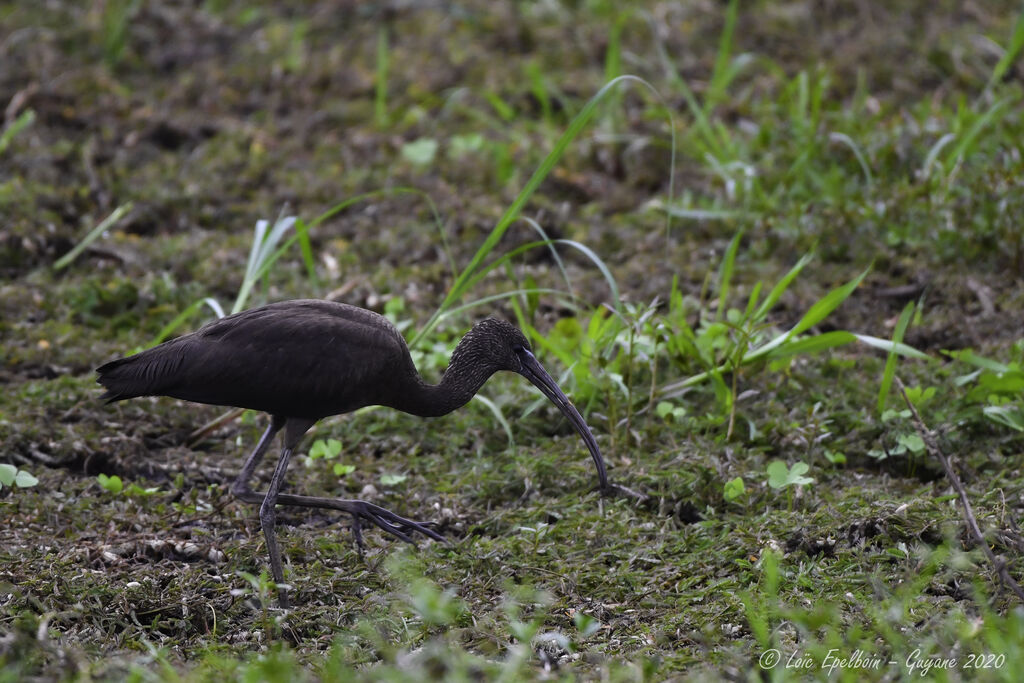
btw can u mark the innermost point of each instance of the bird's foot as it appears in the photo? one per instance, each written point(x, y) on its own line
point(612, 490)
point(388, 521)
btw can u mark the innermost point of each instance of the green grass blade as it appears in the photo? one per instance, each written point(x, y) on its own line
point(498, 415)
point(971, 358)
point(613, 53)
point(725, 274)
point(482, 273)
point(932, 157)
point(813, 344)
point(380, 95)
point(755, 294)
point(855, 148)
point(262, 258)
point(722, 74)
point(828, 303)
point(512, 212)
point(705, 132)
point(180, 319)
point(19, 124)
point(460, 286)
point(1010, 54)
point(780, 288)
point(890, 361)
point(554, 252)
point(968, 139)
point(497, 297)
point(92, 236)
point(306, 247)
point(815, 314)
point(613, 286)
point(387, 192)
point(890, 346)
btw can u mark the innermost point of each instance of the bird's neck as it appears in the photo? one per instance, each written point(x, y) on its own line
point(467, 371)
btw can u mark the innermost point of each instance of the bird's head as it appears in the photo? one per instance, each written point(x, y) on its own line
point(494, 345)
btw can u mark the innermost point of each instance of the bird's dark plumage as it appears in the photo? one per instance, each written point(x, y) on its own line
point(304, 360)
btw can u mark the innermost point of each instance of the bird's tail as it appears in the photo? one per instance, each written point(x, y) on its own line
point(143, 374)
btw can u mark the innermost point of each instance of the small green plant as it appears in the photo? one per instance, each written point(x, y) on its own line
point(669, 411)
point(734, 489)
point(111, 484)
point(585, 624)
point(325, 448)
point(114, 485)
point(997, 387)
point(392, 479)
point(782, 477)
point(263, 589)
point(921, 396)
point(11, 476)
point(133, 490)
point(728, 342)
point(761, 606)
point(907, 444)
point(420, 152)
point(328, 449)
point(835, 457)
point(434, 606)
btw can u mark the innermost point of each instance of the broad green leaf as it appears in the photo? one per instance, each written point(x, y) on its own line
point(25, 479)
point(7, 474)
point(734, 488)
point(420, 152)
point(111, 484)
point(780, 476)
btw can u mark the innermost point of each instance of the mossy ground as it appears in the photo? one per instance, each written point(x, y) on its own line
point(208, 118)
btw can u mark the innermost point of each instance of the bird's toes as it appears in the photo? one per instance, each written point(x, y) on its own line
point(617, 490)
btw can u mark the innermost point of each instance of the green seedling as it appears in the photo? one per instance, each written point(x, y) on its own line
point(734, 489)
point(585, 624)
point(11, 476)
point(111, 484)
point(835, 457)
point(328, 449)
point(997, 387)
point(420, 152)
point(325, 448)
point(780, 476)
point(392, 479)
point(670, 412)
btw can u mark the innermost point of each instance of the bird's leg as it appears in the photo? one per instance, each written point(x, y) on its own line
point(618, 490)
point(240, 488)
point(360, 510)
point(388, 521)
point(293, 431)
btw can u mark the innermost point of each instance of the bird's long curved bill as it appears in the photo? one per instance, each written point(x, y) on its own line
point(539, 377)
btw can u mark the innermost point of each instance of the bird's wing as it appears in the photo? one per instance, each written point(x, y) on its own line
point(296, 359)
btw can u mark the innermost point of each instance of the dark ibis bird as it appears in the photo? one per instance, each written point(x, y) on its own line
point(304, 360)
